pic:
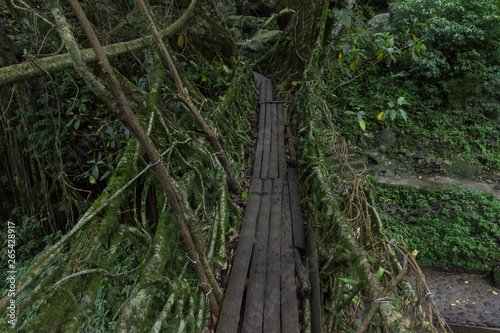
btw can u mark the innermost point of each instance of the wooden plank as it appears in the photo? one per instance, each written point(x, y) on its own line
point(281, 142)
point(272, 321)
point(299, 240)
point(274, 154)
point(254, 303)
point(260, 142)
point(269, 91)
point(289, 302)
point(258, 79)
point(267, 142)
point(262, 91)
point(231, 307)
point(315, 286)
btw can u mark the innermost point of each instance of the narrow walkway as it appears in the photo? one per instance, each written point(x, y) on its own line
point(262, 294)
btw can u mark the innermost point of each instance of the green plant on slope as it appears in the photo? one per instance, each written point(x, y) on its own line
point(450, 228)
point(394, 109)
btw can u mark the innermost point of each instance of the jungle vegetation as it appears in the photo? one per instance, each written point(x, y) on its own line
point(126, 136)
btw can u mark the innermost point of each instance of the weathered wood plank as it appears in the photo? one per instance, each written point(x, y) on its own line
point(233, 301)
point(272, 322)
point(262, 91)
point(257, 167)
point(281, 141)
point(269, 91)
point(299, 240)
point(267, 142)
point(254, 304)
point(315, 287)
point(274, 154)
point(289, 302)
point(258, 79)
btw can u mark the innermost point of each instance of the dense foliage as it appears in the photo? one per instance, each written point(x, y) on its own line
point(443, 58)
point(452, 228)
point(430, 72)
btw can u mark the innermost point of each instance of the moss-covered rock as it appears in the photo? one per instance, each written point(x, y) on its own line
point(254, 49)
point(267, 37)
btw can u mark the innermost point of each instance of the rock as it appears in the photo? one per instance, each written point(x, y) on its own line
point(261, 42)
point(447, 162)
point(385, 138)
point(376, 158)
point(267, 37)
point(418, 155)
point(382, 148)
point(439, 161)
point(236, 33)
point(365, 140)
point(254, 49)
point(389, 173)
point(247, 24)
point(409, 154)
point(379, 20)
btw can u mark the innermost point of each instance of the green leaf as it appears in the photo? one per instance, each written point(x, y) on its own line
point(362, 124)
point(95, 172)
point(77, 124)
point(379, 272)
point(343, 16)
point(400, 74)
point(403, 114)
point(92, 180)
point(244, 195)
point(106, 174)
point(350, 281)
point(392, 114)
point(401, 100)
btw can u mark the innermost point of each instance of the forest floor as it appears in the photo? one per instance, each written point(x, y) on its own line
point(465, 299)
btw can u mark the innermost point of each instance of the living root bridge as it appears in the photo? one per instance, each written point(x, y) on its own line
point(261, 295)
point(37, 67)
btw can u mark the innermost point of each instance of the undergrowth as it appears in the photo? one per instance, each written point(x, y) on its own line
point(452, 228)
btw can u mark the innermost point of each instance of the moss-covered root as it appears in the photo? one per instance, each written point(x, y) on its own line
point(137, 310)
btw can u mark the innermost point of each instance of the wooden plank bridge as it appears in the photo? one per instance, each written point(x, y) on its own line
point(262, 295)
